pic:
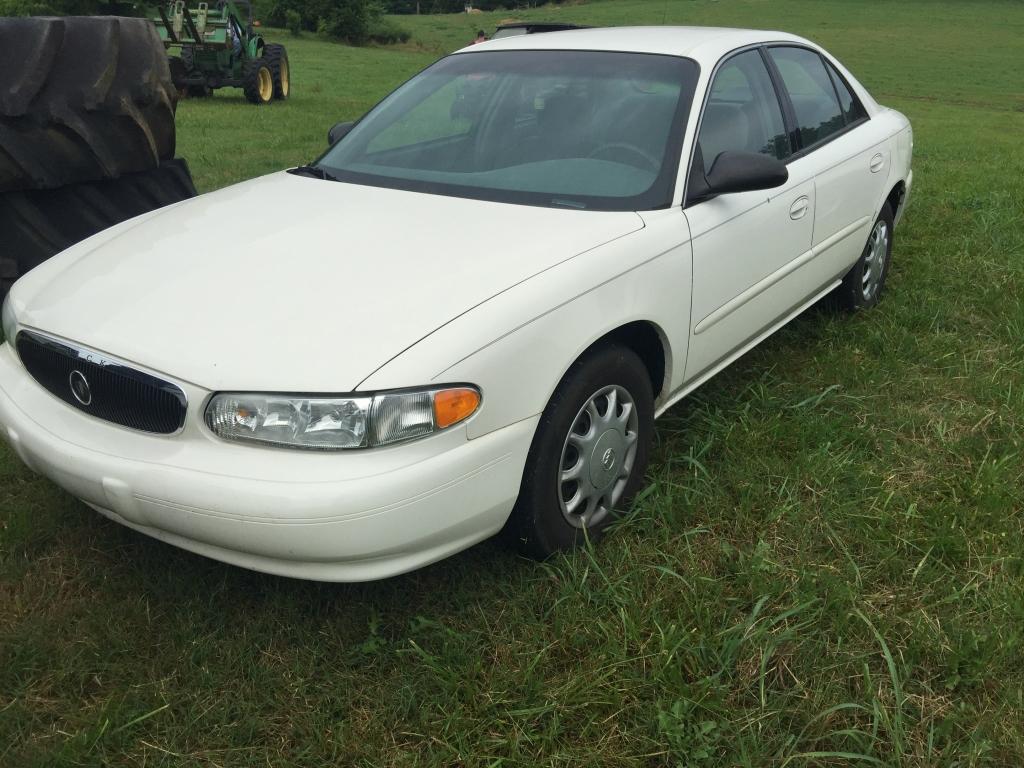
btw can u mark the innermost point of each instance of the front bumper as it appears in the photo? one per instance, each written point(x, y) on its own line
point(351, 516)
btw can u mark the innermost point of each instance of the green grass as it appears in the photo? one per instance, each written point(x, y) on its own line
point(827, 567)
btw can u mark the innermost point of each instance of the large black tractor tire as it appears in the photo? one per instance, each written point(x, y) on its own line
point(277, 59)
point(258, 81)
point(82, 99)
point(38, 224)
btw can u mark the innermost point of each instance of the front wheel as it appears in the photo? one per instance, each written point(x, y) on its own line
point(863, 284)
point(258, 82)
point(589, 455)
point(277, 60)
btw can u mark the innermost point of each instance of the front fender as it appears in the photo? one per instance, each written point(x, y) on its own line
point(518, 346)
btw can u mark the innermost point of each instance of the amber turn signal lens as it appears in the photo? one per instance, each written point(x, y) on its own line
point(453, 405)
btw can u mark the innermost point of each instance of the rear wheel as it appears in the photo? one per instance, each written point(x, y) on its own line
point(862, 287)
point(277, 60)
point(258, 82)
point(589, 455)
point(188, 64)
point(179, 73)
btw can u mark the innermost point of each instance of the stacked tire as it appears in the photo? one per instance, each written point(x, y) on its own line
point(87, 134)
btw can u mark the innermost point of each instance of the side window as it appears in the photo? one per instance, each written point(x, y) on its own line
point(852, 108)
point(743, 113)
point(818, 114)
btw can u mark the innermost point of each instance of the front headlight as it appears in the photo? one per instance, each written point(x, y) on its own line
point(7, 318)
point(337, 423)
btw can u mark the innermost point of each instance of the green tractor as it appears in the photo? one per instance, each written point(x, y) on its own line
point(220, 49)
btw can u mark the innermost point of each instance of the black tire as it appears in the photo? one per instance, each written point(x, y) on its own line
point(179, 73)
point(188, 61)
point(82, 99)
point(188, 58)
point(38, 224)
point(863, 285)
point(538, 524)
point(277, 59)
point(258, 82)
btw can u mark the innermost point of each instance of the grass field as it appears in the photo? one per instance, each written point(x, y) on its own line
point(827, 567)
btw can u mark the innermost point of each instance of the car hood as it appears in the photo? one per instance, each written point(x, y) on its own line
point(288, 283)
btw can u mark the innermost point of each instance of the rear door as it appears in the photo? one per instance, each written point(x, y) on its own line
point(838, 148)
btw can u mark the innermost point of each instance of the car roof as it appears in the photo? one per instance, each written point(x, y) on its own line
point(704, 44)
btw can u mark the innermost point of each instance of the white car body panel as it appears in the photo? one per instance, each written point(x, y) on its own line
point(328, 262)
point(358, 288)
point(643, 277)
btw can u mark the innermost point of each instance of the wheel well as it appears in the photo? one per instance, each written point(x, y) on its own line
point(895, 197)
point(647, 340)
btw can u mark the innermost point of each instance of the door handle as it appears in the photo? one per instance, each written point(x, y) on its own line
point(877, 163)
point(799, 208)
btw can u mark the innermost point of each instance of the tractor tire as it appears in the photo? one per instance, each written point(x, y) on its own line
point(277, 59)
point(179, 73)
point(82, 99)
point(188, 61)
point(38, 224)
point(188, 58)
point(258, 82)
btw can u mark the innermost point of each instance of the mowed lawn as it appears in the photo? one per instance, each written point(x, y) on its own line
point(826, 568)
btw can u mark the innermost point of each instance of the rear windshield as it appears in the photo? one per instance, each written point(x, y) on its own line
point(579, 129)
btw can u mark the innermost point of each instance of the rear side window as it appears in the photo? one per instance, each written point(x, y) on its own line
point(851, 106)
point(818, 114)
point(743, 112)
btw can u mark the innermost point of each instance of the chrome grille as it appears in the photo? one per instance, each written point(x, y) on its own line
point(101, 387)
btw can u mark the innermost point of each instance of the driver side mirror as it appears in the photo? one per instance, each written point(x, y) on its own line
point(338, 132)
point(735, 172)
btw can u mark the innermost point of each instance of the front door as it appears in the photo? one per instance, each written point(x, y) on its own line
point(744, 244)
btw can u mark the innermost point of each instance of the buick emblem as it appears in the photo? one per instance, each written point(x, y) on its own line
point(608, 459)
point(80, 387)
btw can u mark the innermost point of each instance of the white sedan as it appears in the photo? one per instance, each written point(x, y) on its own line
point(466, 315)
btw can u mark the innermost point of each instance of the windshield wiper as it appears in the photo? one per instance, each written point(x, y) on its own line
point(563, 203)
point(315, 171)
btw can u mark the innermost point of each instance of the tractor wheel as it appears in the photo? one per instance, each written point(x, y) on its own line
point(188, 60)
point(277, 59)
point(81, 99)
point(178, 72)
point(38, 224)
point(257, 82)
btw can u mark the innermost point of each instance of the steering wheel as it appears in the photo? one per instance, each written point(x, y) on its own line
point(620, 147)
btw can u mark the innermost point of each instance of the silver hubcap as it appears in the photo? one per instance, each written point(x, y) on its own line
point(598, 457)
point(874, 260)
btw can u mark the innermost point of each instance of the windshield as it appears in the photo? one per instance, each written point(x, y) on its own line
point(580, 129)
